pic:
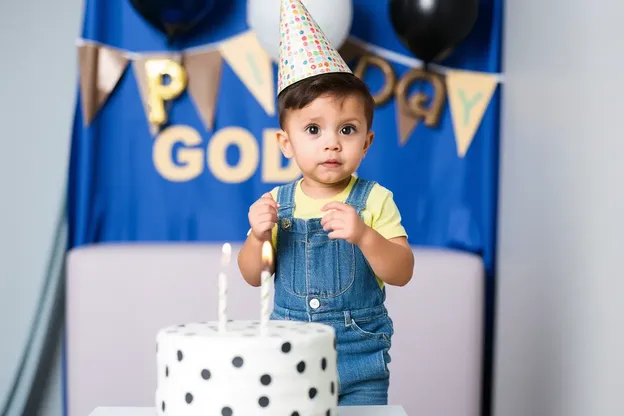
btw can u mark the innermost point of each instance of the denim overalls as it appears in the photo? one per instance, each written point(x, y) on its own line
point(329, 281)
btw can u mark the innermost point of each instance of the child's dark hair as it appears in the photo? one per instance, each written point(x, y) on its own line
point(336, 84)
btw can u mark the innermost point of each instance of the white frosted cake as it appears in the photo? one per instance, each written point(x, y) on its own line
point(289, 371)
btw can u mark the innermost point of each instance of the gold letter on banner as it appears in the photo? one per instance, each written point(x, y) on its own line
point(272, 170)
point(411, 111)
point(191, 160)
point(389, 76)
point(249, 155)
point(158, 91)
point(469, 96)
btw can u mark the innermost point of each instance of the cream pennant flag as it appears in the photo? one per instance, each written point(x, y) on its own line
point(253, 66)
point(469, 96)
point(101, 68)
point(204, 75)
point(140, 72)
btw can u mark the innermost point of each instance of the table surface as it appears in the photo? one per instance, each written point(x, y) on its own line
point(342, 411)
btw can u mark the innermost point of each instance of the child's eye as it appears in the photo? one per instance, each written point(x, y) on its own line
point(347, 130)
point(314, 130)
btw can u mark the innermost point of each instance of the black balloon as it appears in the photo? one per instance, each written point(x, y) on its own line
point(431, 28)
point(175, 18)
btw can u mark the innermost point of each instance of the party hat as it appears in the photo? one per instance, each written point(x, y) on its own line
point(304, 48)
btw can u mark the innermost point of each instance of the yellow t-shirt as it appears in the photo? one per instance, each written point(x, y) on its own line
point(381, 212)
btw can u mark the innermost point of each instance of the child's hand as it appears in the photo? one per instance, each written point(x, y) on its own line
point(344, 222)
point(263, 217)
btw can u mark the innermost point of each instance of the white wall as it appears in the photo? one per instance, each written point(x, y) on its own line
point(560, 323)
point(37, 90)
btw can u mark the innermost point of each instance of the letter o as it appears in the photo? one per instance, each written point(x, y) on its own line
point(249, 155)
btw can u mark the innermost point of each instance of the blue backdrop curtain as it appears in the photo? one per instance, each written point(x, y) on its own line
point(116, 193)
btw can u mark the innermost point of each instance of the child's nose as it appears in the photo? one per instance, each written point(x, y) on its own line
point(332, 142)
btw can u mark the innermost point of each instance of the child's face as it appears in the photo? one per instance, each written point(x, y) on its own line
point(328, 138)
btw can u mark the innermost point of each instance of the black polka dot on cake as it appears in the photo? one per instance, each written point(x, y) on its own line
point(237, 362)
point(167, 371)
point(263, 401)
point(205, 374)
point(286, 347)
point(188, 398)
point(328, 413)
point(226, 411)
point(295, 414)
point(334, 342)
point(265, 380)
point(163, 407)
point(312, 393)
point(332, 388)
point(301, 366)
point(180, 355)
point(323, 364)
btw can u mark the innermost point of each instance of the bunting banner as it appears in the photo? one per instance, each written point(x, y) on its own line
point(467, 92)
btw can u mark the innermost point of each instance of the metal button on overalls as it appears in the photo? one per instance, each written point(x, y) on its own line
point(286, 223)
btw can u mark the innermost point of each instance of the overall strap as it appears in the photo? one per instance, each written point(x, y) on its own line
point(359, 194)
point(286, 199)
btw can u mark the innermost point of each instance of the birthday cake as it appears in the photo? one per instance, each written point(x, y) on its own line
point(289, 369)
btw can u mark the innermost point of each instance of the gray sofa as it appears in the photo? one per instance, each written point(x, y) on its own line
point(118, 296)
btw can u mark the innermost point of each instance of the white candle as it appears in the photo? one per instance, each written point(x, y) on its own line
point(226, 255)
point(267, 257)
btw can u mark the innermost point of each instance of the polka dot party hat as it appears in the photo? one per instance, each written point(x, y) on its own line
point(304, 49)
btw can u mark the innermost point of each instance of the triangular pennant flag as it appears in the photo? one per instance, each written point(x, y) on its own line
point(469, 96)
point(418, 106)
point(101, 69)
point(253, 66)
point(351, 50)
point(204, 74)
point(405, 119)
point(140, 73)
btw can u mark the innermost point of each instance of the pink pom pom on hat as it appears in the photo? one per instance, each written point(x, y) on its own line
point(304, 49)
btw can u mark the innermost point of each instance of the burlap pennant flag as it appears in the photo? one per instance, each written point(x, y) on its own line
point(253, 66)
point(204, 76)
point(140, 72)
point(420, 105)
point(469, 96)
point(351, 50)
point(101, 68)
point(406, 121)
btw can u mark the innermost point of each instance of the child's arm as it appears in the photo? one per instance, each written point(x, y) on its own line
point(250, 260)
point(262, 218)
point(391, 259)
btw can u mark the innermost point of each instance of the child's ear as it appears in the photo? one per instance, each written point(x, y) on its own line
point(370, 136)
point(285, 144)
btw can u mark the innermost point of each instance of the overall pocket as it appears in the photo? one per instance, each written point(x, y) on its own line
point(331, 266)
point(378, 329)
point(366, 346)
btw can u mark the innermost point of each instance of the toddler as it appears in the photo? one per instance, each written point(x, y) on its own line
point(337, 239)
